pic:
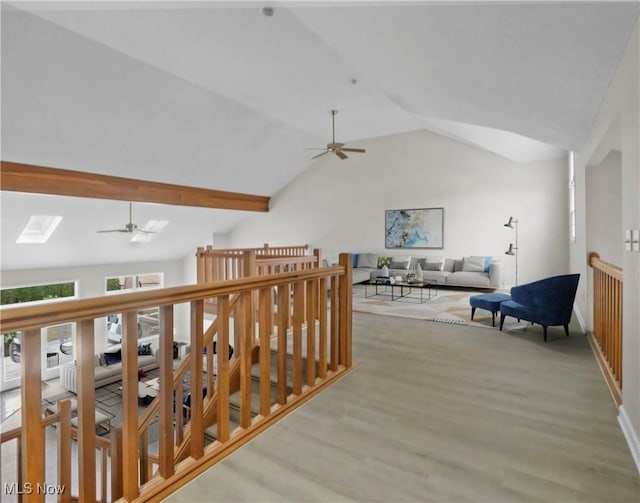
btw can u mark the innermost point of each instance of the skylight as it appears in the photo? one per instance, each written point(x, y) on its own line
point(148, 232)
point(38, 229)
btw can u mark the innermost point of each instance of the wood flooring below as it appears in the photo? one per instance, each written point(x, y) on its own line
point(439, 412)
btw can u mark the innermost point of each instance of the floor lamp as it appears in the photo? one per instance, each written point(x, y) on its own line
point(513, 250)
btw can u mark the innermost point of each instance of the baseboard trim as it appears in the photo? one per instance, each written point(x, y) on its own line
point(580, 318)
point(629, 435)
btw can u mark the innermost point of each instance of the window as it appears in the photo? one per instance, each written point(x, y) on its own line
point(572, 199)
point(37, 293)
point(148, 319)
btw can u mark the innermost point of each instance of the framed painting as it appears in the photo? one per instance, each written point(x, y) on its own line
point(414, 228)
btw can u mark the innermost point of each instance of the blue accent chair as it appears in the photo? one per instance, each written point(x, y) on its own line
point(548, 302)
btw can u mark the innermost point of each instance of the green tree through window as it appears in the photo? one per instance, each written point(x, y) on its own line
point(37, 293)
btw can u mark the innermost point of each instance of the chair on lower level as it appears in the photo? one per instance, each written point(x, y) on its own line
point(548, 302)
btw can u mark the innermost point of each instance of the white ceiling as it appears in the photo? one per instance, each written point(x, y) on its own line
point(217, 95)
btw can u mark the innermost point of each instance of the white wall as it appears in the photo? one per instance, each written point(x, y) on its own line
point(604, 208)
point(617, 126)
point(339, 206)
point(91, 283)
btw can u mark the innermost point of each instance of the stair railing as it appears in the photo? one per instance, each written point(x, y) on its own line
point(302, 366)
point(606, 338)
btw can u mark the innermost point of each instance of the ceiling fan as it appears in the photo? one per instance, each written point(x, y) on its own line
point(337, 148)
point(129, 228)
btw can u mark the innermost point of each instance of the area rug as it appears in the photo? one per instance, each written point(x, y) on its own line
point(446, 306)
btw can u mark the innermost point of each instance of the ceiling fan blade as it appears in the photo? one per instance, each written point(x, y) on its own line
point(320, 155)
point(112, 230)
point(341, 154)
point(361, 150)
point(309, 148)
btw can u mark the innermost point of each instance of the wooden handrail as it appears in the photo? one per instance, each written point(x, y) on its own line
point(22, 318)
point(611, 270)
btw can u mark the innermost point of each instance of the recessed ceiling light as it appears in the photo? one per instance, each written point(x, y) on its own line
point(150, 229)
point(38, 229)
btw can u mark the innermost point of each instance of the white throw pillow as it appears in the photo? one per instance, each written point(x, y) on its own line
point(369, 260)
point(400, 262)
point(472, 264)
point(433, 264)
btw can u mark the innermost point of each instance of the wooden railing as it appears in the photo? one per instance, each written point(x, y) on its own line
point(233, 263)
point(606, 338)
point(264, 315)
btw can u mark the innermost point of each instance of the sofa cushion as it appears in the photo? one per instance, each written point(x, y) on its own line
point(400, 263)
point(473, 264)
point(369, 260)
point(432, 264)
point(470, 279)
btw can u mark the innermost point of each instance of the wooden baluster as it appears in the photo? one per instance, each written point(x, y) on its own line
point(210, 356)
point(116, 463)
point(345, 286)
point(209, 273)
point(197, 429)
point(298, 320)
point(335, 324)
point(322, 322)
point(244, 323)
point(165, 419)
point(32, 430)
point(103, 474)
point(223, 369)
point(312, 304)
point(130, 475)
point(200, 259)
point(143, 461)
point(179, 412)
point(86, 410)
point(265, 324)
point(284, 302)
point(64, 450)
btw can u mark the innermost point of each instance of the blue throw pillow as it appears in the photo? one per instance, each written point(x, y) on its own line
point(354, 260)
point(114, 357)
point(487, 262)
point(144, 349)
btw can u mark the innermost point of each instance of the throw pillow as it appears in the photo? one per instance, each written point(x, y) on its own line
point(354, 260)
point(368, 260)
point(400, 262)
point(144, 349)
point(433, 264)
point(472, 264)
point(487, 262)
point(382, 261)
point(114, 357)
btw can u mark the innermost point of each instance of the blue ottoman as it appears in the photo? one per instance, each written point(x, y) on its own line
point(490, 302)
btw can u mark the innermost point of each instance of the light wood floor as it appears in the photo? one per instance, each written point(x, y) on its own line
point(438, 412)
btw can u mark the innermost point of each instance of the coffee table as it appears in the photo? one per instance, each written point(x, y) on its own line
point(401, 290)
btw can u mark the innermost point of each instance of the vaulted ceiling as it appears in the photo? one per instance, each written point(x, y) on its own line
point(218, 95)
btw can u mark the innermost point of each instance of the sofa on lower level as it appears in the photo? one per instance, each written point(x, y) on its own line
point(107, 367)
point(470, 272)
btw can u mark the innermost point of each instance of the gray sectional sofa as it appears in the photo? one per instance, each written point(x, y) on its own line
point(469, 272)
point(107, 369)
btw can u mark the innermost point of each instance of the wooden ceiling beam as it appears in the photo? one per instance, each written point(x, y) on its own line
point(18, 177)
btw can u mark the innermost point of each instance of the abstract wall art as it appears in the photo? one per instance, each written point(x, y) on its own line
point(414, 228)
